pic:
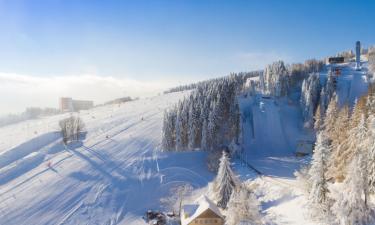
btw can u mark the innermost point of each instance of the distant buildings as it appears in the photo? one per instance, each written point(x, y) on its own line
point(119, 100)
point(71, 105)
point(334, 60)
point(349, 56)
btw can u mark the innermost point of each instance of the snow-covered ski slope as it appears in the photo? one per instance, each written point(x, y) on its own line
point(351, 84)
point(117, 173)
point(271, 129)
point(111, 177)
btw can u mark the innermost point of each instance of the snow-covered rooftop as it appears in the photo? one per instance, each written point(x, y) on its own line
point(194, 210)
point(190, 209)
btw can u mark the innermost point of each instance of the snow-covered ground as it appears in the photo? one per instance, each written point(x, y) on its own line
point(117, 173)
point(351, 84)
point(112, 177)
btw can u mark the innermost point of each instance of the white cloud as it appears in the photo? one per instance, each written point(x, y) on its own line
point(20, 91)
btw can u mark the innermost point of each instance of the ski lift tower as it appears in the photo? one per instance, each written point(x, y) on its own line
point(358, 55)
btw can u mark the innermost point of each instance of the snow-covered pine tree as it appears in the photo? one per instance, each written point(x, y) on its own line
point(318, 197)
point(358, 110)
point(220, 119)
point(224, 183)
point(234, 121)
point(212, 127)
point(185, 124)
point(168, 136)
point(357, 135)
point(243, 206)
point(328, 91)
point(370, 101)
point(371, 153)
point(340, 144)
point(358, 138)
point(192, 126)
point(349, 141)
point(275, 79)
point(318, 119)
point(371, 60)
point(204, 143)
point(198, 123)
point(322, 102)
point(330, 118)
point(179, 128)
point(165, 131)
point(204, 118)
point(310, 98)
point(350, 206)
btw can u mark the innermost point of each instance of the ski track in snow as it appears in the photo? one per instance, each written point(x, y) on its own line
point(111, 177)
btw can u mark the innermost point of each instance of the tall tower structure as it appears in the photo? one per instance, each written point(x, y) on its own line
point(358, 55)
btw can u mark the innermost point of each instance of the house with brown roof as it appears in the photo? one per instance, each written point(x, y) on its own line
point(203, 211)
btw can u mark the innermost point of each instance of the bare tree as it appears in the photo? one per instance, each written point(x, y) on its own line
point(71, 128)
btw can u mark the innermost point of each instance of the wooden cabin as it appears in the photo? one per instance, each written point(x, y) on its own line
point(203, 211)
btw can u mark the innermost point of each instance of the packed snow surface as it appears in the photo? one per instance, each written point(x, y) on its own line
point(113, 176)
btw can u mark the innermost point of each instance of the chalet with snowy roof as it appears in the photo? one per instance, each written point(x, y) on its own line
point(203, 211)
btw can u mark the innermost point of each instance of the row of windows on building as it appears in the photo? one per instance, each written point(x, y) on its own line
point(206, 221)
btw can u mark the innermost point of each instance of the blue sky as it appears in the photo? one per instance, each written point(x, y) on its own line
point(173, 41)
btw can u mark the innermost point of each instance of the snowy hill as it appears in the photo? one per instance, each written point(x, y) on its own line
point(117, 172)
point(112, 177)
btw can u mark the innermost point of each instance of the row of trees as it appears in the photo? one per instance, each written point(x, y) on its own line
point(208, 119)
point(29, 113)
point(278, 78)
point(202, 83)
point(371, 59)
point(275, 79)
point(315, 97)
point(344, 155)
point(231, 195)
point(310, 95)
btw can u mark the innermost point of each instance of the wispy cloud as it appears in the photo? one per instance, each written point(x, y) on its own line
point(20, 91)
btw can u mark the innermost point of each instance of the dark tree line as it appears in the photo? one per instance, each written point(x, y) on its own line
point(202, 83)
point(29, 113)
